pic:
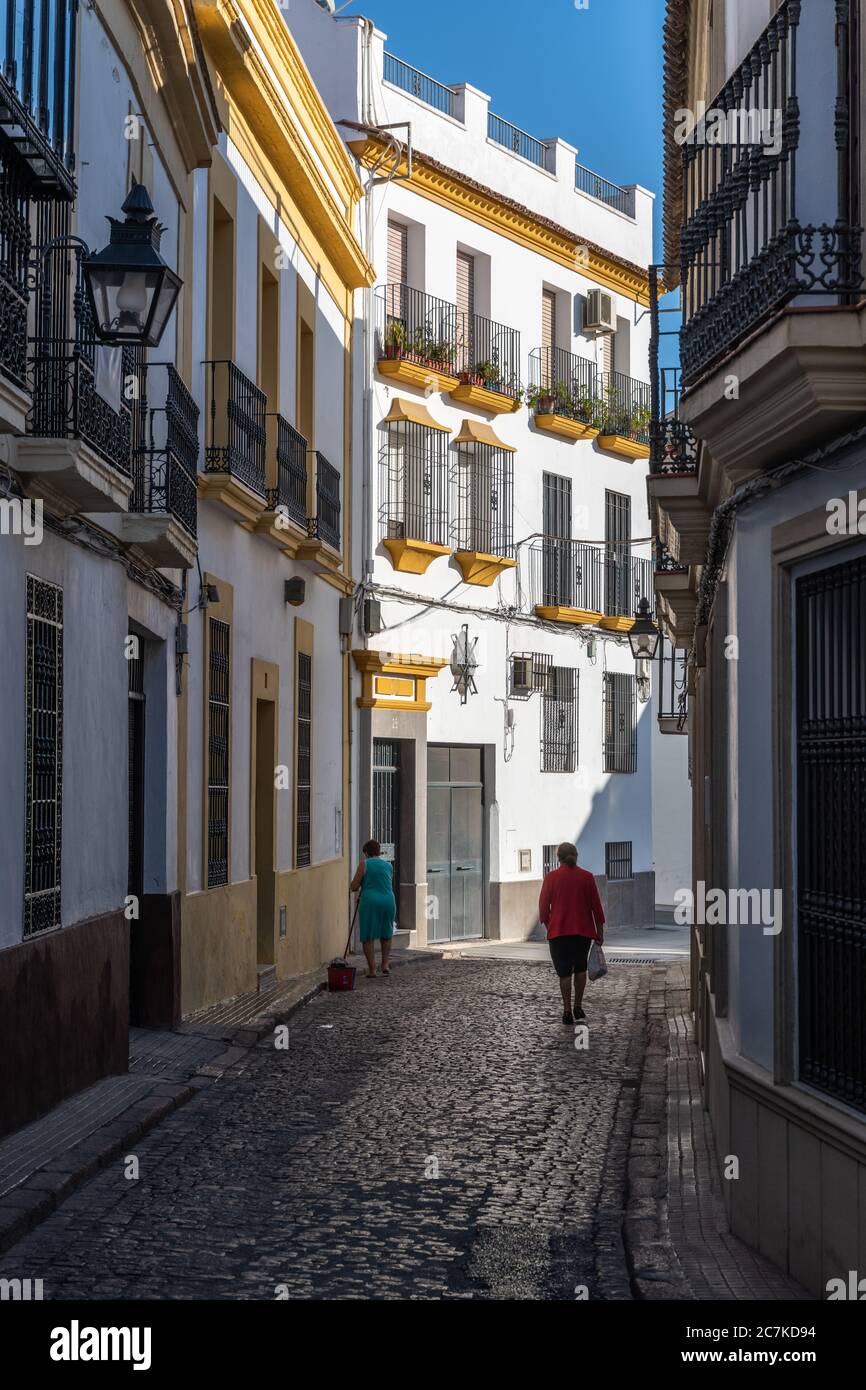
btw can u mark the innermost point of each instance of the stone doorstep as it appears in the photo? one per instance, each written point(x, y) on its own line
point(43, 1190)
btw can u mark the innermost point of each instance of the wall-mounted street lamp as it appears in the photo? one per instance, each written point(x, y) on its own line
point(643, 636)
point(130, 288)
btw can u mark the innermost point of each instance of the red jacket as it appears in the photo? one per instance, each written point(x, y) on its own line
point(569, 904)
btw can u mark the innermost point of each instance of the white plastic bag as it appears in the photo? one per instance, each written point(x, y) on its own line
point(596, 965)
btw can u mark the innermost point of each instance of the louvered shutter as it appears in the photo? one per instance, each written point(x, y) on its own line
point(397, 253)
point(465, 310)
point(548, 319)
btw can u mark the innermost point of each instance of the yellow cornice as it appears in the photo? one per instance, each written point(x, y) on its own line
point(508, 219)
point(287, 119)
point(408, 691)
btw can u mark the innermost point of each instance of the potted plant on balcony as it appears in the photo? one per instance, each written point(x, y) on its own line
point(640, 421)
point(439, 355)
point(540, 400)
point(488, 375)
point(395, 337)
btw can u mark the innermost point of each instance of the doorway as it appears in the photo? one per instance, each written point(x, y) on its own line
point(386, 804)
point(455, 843)
point(266, 760)
point(135, 766)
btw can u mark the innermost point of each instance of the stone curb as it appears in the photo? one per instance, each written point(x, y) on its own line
point(654, 1268)
point(47, 1188)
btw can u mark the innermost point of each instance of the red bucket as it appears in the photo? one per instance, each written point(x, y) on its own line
point(341, 975)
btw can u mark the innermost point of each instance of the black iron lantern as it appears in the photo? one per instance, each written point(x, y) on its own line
point(643, 636)
point(130, 288)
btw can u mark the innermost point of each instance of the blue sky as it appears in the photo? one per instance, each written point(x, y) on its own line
point(590, 75)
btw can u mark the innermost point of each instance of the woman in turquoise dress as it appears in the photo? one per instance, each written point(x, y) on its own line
point(378, 906)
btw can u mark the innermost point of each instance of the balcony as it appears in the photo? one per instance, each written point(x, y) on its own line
point(416, 338)
point(563, 394)
point(512, 138)
point(770, 248)
point(594, 186)
point(413, 487)
point(284, 520)
point(586, 584)
point(77, 452)
point(14, 296)
point(321, 551)
point(483, 505)
point(681, 517)
point(235, 443)
point(625, 417)
point(672, 701)
point(161, 521)
point(488, 365)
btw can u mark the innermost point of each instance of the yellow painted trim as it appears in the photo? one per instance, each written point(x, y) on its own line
point(414, 557)
point(484, 399)
point(393, 685)
point(412, 412)
point(564, 427)
point(289, 121)
point(556, 613)
point(412, 670)
point(616, 624)
point(479, 432)
point(623, 447)
point(500, 215)
point(413, 374)
point(479, 568)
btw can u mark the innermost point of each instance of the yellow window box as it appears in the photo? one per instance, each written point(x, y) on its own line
point(422, 376)
point(414, 557)
point(495, 402)
point(556, 613)
point(565, 427)
point(623, 447)
point(479, 568)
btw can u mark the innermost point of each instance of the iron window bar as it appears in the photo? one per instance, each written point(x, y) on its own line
point(488, 354)
point(325, 525)
point(673, 448)
point(37, 89)
point(219, 753)
point(483, 488)
point(237, 437)
point(620, 729)
point(43, 756)
point(15, 238)
point(618, 860)
point(413, 483)
point(416, 327)
point(626, 406)
point(303, 778)
point(559, 712)
point(672, 686)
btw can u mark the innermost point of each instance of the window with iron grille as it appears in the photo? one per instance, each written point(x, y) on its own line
point(219, 754)
point(618, 601)
point(620, 738)
point(617, 859)
point(413, 483)
point(830, 732)
point(44, 756)
point(303, 775)
point(549, 858)
point(559, 722)
point(135, 765)
point(483, 480)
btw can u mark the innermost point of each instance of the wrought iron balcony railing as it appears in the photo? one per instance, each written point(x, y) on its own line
point(595, 578)
point(236, 436)
point(626, 407)
point(585, 181)
point(751, 241)
point(325, 525)
point(425, 88)
point(673, 448)
point(672, 691)
point(483, 510)
point(488, 354)
point(79, 389)
point(290, 462)
point(14, 257)
point(165, 449)
point(416, 327)
point(563, 384)
point(513, 138)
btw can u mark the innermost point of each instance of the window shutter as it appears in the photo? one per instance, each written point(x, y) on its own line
point(465, 283)
point(397, 253)
point(548, 319)
point(606, 355)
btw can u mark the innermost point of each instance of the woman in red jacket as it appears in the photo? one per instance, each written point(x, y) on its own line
point(571, 910)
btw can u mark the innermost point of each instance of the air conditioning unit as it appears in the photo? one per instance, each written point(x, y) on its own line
point(530, 675)
point(600, 312)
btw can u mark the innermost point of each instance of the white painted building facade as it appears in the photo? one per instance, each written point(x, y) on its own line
point(488, 250)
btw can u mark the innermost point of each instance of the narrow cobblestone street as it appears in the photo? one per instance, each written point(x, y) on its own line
point(436, 1134)
point(316, 1168)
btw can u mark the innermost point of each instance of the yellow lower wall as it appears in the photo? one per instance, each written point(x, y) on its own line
point(317, 922)
point(218, 945)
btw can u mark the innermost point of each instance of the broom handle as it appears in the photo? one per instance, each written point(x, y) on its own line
point(352, 927)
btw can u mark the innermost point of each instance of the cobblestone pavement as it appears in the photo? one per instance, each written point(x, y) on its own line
point(313, 1172)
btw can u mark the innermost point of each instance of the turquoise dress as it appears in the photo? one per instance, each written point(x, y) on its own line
point(378, 907)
